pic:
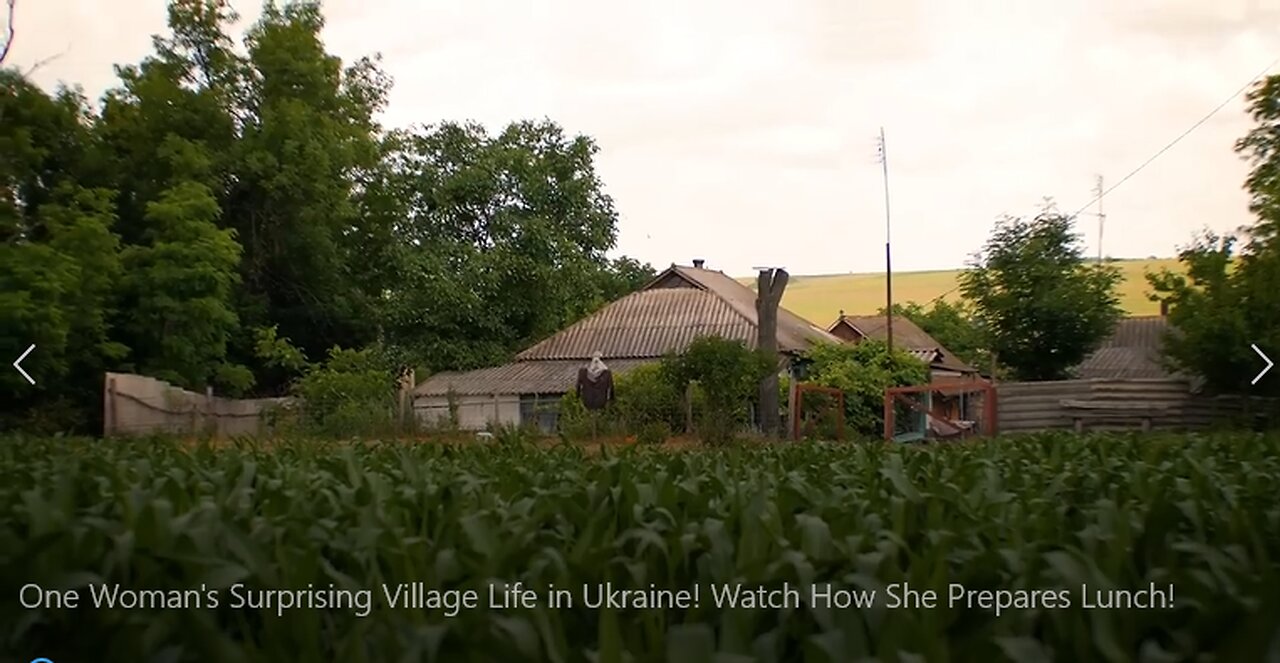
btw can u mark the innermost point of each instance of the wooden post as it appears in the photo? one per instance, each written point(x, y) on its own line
point(793, 408)
point(796, 418)
point(769, 288)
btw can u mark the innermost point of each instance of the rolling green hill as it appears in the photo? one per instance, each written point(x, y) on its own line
point(819, 298)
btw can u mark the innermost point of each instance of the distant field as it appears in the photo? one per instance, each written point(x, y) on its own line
point(820, 298)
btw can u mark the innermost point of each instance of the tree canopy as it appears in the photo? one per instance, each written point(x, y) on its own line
point(1045, 308)
point(222, 189)
point(1228, 299)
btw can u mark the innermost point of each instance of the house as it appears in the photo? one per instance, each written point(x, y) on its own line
point(907, 336)
point(679, 305)
point(1131, 351)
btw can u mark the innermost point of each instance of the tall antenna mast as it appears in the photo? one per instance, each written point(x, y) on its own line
point(1102, 217)
point(883, 153)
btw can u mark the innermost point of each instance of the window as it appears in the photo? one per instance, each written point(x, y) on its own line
point(541, 410)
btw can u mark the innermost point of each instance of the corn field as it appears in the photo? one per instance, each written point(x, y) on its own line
point(1200, 513)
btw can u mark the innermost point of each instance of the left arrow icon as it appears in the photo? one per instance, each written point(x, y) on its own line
point(17, 363)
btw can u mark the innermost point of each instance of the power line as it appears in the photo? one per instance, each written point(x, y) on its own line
point(1235, 95)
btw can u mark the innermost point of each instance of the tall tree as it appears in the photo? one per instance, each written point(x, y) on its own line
point(502, 241)
point(181, 281)
point(308, 138)
point(1228, 299)
point(1044, 306)
point(59, 258)
point(1209, 310)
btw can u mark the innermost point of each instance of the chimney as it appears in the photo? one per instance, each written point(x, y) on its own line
point(1164, 308)
point(698, 263)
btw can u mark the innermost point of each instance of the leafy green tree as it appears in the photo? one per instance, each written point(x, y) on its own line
point(1044, 306)
point(1209, 308)
point(307, 139)
point(59, 259)
point(181, 282)
point(1229, 296)
point(727, 374)
point(232, 186)
point(502, 241)
point(863, 371)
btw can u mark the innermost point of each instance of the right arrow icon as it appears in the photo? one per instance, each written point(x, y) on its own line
point(1265, 368)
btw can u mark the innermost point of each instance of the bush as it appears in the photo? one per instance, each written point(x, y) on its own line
point(577, 423)
point(646, 395)
point(351, 393)
point(863, 371)
point(728, 375)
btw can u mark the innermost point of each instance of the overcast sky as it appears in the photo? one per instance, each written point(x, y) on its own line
point(743, 131)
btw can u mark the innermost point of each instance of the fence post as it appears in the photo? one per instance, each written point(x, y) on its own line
point(793, 408)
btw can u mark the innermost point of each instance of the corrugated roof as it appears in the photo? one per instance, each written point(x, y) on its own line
point(521, 377)
point(680, 305)
point(664, 318)
point(1144, 331)
point(1131, 351)
point(908, 336)
point(794, 332)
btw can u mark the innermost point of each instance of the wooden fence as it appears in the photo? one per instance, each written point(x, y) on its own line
point(139, 405)
point(1119, 404)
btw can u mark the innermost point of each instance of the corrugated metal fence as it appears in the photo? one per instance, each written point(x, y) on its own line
point(1118, 404)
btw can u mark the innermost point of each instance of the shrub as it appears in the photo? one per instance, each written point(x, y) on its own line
point(728, 375)
point(646, 395)
point(863, 371)
point(353, 392)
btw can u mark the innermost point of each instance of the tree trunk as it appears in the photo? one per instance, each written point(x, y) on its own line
point(770, 287)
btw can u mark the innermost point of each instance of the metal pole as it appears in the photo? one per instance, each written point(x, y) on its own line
point(888, 270)
point(1101, 219)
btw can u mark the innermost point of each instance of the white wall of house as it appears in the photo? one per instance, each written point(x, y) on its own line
point(474, 412)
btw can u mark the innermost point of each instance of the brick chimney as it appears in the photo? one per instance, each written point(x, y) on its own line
point(698, 263)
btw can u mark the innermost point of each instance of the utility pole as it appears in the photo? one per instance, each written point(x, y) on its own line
point(883, 154)
point(1102, 217)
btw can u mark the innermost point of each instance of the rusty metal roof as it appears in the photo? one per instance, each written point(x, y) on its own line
point(668, 315)
point(908, 336)
point(521, 377)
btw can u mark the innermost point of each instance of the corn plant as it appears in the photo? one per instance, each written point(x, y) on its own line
point(1046, 512)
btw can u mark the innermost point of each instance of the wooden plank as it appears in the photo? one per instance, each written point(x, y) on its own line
point(1110, 406)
